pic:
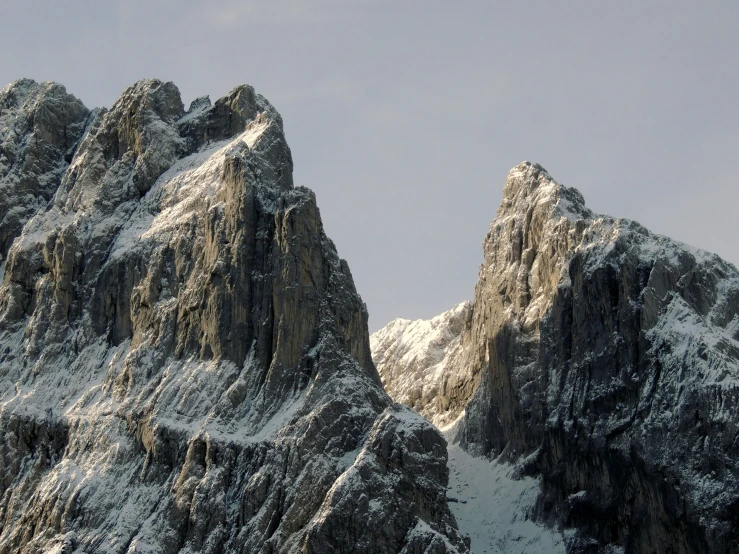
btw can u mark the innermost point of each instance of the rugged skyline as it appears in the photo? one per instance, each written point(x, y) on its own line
point(402, 117)
point(184, 359)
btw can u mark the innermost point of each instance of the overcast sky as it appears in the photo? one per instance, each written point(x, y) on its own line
point(404, 117)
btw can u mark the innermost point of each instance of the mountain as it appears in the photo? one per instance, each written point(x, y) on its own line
point(184, 359)
point(601, 359)
point(40, 125)
point(414, 357)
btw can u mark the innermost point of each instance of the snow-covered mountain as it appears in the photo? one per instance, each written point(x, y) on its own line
point(414, 356)
point(597, 357)
point(185, 364)
point(184, 360)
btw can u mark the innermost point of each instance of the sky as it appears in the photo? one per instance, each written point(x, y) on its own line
point(404, 117)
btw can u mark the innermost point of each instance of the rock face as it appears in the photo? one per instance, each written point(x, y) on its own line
point(604, 359)
point(414, 357)
point(40, 126)
point(184, 359)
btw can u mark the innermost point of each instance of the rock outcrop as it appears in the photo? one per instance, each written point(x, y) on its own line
point(40, 126)
point(184, 359)
point(605, 359)
point(414, 357)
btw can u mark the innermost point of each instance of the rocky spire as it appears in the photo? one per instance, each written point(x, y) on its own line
point(605, 359)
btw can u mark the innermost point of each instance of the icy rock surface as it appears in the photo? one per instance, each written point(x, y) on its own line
point(412, 358)
point(40, 125)
point(604, 359)
point(184, 359)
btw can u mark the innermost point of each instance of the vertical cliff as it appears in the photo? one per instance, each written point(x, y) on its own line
point(184, 359)
point(604, 359)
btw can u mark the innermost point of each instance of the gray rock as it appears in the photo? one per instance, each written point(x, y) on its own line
point(604, 359)
point(40, 127)
point(185, 362)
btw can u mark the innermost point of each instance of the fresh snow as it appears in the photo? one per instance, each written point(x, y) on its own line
point(491, 507)
point(412, 358)
point(180, 191)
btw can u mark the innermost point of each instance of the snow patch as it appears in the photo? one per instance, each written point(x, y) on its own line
point(491, 507)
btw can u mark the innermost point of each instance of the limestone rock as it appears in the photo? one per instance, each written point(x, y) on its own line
point(184, 359)
point(604, 359)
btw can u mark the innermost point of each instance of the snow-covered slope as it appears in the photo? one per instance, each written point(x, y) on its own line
point(413, 356)
point(604, 359)
point(184, 359)
point(493, 506)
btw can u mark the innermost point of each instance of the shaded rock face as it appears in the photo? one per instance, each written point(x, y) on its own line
point(40, 126)
point(605, 359)
point(184, 359)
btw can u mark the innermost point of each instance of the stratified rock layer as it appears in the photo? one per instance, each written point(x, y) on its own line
point(605, 359)
point(184, 359)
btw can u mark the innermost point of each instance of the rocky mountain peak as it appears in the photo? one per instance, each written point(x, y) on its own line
point(15, 93)
point(149, 96)
point(199, 104)
point(523, 179)
point(40, 126)
point(603, 358)
point(529, 184)
point(184, 358)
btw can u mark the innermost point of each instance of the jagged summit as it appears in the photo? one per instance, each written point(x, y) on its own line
point(40, 126)
point(603, 358)
point(21, 90)
point(529, 184)
point(184, 358)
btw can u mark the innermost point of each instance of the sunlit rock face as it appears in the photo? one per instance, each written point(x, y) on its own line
point(184, 359)
point(600, 357)
point(415, 357)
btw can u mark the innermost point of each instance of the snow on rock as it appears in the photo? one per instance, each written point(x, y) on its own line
point(401, 447)
point(184, 359)
point(600, 357)
point(40, 125)
point(412, 356)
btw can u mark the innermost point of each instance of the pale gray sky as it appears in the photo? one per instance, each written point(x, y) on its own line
point(404, 117)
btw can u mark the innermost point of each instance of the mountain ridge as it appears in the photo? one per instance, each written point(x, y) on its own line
point(605, 359)
point(184, 358)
